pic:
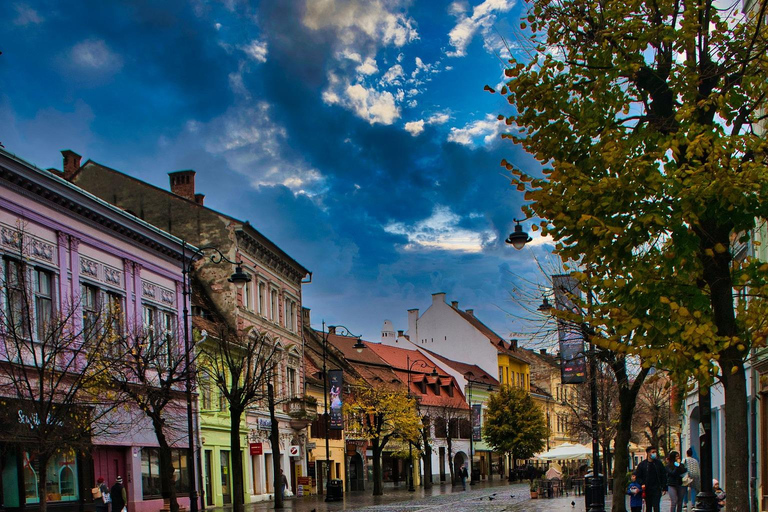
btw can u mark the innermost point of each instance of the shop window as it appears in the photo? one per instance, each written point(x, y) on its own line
point(60, 478)
point(150, 472)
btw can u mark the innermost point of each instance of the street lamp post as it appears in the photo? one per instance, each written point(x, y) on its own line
point(239, 278)
point(359, 346)
point(595, 491)
point(472, 434)
point(422, 364)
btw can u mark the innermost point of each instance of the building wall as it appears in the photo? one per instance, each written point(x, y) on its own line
point(443, 331)
point(77, 251)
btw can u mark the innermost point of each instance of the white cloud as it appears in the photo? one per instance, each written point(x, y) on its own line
point(483, 17)
point(439, 118)
point(25, 15)
point(394, 75)
point(374, 19)
point(95, 55)
point(488, 129)
point(371, 105)
point(415, 127)
point(253, 144)
point(368, 67)
point(441, 231)
point(257, 50)
point(217, 26)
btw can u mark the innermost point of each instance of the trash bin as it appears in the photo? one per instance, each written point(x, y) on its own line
point(335, 490)
point(594, 490)
point(475, 476)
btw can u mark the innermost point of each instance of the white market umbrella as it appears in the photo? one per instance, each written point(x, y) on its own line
point(567, 451)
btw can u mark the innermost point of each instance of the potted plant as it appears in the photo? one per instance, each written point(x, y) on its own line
point(534, 491)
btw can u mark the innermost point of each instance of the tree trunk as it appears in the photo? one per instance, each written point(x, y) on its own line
point(717, 274)
point(736, 434)
point(377, 476)
point(167, 471)
point(238, 491)
point(427, 460)
point(42, 460)
point(449, 441)
point(621, 455)
point(274, 439)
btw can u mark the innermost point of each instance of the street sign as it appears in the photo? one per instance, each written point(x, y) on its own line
point(294, 451)
point(256, 448)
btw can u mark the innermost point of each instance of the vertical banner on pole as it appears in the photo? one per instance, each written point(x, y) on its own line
point(335, 412)
point(573, 361)
point(477, 410)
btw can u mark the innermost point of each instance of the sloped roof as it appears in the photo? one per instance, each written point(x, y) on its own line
point(469, 371)
point(502, 346)
point(372, 368)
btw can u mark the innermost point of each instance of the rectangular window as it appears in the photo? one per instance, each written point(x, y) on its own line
point(15, 304)
point(247, 296)
point(206, 393)
point(43, 301)
point(169, 335)
point(114, 317)
point(275, 313)
point(89, 300)
point(149, 321)
point(501, 374)
point(291, 382)
point(262, 299)
point(150, 472)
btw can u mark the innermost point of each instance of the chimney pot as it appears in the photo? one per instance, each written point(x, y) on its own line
point(400, 334)
point(471, 312)
point(305, 315)
point(543, 351)
point(513, 344)
point(455, 304)
point(332, 329)
point(71, 163)
point(199, 199)
point(183, 184)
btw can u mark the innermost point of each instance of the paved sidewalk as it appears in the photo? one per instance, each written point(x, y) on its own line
point(496, 496)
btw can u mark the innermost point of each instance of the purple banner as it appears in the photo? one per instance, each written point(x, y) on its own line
point(573, 364)
point(335, 412)
point(477, 410)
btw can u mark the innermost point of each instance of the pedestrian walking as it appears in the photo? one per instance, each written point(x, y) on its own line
point(283, 483)
point(119, 496)
point(463, 474)
point(675, 472)
point(101, 497)
point(635, 493)
point(693, 479)
point(652, 477)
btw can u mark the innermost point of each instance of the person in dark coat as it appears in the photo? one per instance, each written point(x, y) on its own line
point(652, 477)
point(675, 472)
point(118, 494)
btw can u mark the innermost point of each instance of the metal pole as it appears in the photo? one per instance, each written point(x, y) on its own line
point(410, 445)
point(471, 436)
point(326, 418)
point(193, 505)
point(706, 501)
point(597, 495)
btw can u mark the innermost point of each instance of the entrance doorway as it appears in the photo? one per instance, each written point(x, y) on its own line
point(226, 490)
point(442, 463)
point(208, 475)
point(109, 462)
point(356, 473)
point(458, 460)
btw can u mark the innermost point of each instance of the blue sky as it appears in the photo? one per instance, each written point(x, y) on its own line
point(353, 133)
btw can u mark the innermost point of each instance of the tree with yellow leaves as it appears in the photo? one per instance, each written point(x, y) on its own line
point(643, 115)
point(381, 415)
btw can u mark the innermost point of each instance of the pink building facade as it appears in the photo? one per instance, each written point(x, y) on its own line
point(79, 250)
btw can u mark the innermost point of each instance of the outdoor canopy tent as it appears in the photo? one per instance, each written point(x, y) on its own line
point(567, 451)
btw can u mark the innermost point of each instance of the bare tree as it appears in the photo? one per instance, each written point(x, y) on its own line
point(151, 372)
point(655, 415)
point(240, 363)
point(53, 386)
point(449, 422)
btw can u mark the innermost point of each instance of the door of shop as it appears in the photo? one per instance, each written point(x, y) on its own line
point(209, 477)
point(109, 462)
point(226, 492)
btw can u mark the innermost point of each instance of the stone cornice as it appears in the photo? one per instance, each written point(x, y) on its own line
point(272, 259)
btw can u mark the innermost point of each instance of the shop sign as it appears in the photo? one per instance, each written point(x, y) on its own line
point(265, 424)
point(311, 469)
point(256, 448)
point(294, 451)
point(311, 446)
point(573, 364)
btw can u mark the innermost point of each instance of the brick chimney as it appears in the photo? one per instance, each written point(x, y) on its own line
point(71, 163)
point(471, 312)
point(513, 344)
point(543, 351)
point(305, 317)
point(183, 184)
point(455, 304)
point(199, 198)
point(331, 329)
